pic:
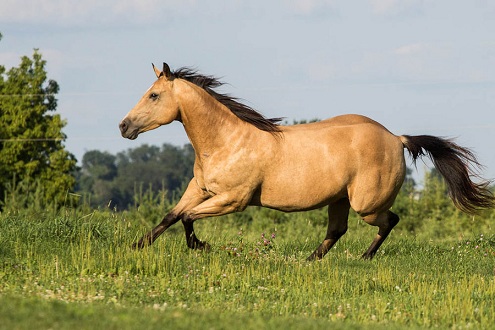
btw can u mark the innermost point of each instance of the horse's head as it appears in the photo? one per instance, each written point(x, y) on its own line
point(157, 107)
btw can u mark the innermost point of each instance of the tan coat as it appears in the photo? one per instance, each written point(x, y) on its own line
point(346, 161)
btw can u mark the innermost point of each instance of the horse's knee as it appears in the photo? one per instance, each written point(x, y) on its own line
point(187, 219)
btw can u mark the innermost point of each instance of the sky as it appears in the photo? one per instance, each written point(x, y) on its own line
point(416, 66)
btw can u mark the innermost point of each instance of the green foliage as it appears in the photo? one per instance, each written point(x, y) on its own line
point(429, 211)
point(302, 121)
point(124, 179)
point(31, 139)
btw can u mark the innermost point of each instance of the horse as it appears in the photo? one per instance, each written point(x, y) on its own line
point(244, 159)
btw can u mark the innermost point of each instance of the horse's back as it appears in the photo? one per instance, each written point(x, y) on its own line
point(337, 121)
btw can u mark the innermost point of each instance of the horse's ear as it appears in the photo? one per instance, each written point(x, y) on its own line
point(167, 72)
point(157, 72)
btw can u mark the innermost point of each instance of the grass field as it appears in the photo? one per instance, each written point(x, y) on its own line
point(76, 269)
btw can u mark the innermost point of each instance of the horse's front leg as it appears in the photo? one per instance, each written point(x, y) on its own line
point(215, 206)
point(191, 198)
point(151, 236)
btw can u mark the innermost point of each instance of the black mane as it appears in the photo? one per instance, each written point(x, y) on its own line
point(244, 112)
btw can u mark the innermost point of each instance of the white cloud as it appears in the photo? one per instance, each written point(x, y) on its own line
point(321, 71)
point(427, 62)
point(309, 7)
point(434, 62)
point(44, 10)
point(152, 9)
point(396, 7)
point(410, 49)
point(370, 63)
point(383, 6)
point(74, 12)
point(110, 12)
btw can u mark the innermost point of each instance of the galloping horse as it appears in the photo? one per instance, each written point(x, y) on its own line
point(243, 158)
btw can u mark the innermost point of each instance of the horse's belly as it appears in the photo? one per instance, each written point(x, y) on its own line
point(301, 189)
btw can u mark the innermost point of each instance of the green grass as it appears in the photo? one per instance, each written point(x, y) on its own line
point(22, 313)
point(75, 269)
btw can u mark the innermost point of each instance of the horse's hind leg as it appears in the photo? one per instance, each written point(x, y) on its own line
point(338, 213)
point(385, 223)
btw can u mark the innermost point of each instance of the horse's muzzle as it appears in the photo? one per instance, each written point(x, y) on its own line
point(125, 131)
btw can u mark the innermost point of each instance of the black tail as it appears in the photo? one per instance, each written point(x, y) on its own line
point(457, 166)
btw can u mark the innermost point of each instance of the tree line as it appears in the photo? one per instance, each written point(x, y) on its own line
point(117, 180)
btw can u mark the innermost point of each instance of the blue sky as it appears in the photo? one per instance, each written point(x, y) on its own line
point(416, 66)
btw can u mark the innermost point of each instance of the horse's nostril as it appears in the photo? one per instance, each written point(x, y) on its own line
point(123, 126)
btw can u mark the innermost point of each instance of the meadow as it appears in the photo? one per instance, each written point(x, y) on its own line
point(73, 267)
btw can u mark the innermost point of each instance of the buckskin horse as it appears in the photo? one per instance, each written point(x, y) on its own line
point(243, 159)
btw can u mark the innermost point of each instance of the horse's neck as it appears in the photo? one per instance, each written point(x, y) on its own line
point(208, 123)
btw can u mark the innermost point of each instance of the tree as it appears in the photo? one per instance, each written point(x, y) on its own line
point(96, 175)
point(121, 180)
point(31, 139)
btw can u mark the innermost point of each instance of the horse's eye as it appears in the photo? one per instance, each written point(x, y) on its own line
point(154, 96)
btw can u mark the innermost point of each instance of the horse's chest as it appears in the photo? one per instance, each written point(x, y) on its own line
point(220, 177)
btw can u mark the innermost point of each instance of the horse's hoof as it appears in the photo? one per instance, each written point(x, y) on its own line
point(311, 258)
point(367, 256)
point(138, 246)
point(203, 246)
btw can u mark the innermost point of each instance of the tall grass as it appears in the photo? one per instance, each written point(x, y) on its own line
point(256, 268)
